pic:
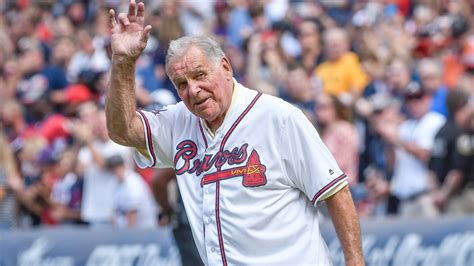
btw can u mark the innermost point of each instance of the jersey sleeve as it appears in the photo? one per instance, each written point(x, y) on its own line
point(306, 160)
point(157, 127)
point(429, 128)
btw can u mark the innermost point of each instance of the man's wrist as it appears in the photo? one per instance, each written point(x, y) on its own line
point(123, 60)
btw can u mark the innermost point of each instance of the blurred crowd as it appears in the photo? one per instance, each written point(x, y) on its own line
point(388, 83)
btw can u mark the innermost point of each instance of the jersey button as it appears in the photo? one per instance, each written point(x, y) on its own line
point(213, 249)
point(208, 221)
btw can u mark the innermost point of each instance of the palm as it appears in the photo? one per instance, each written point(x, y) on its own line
point(127, 42)
point(129, 36)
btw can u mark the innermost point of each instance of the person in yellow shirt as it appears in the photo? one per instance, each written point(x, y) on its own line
point(342, 72)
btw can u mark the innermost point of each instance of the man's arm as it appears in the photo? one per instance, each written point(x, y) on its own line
point(451, 185)
point(390, 134)
point(123, 123)
point(129, 38)
point(345, 220)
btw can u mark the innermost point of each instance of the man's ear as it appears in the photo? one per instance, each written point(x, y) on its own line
point(227, 67)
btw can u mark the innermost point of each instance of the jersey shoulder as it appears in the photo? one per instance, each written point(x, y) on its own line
point(174, 112)
point(275, 108)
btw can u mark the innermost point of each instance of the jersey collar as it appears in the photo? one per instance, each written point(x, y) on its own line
point(235, 94)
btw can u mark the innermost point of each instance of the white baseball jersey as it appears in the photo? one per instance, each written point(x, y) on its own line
point(249, 190)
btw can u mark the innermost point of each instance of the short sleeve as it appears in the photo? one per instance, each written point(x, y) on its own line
point(306, 160)
point(428, 130)
point(158, 138)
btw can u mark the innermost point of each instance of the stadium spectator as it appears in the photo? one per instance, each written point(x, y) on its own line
point(334, 118)
point(398, 77)
point(310, 42)
point(451, 158)
point(463, 203)
point(66, 194)
point(133, 202)
point(91, 55)
point(411, 143)
point(36, 189)
point(196, 16)
point(11, 186)
point(299, 90)
point(341, 73)
point(13, 121)
point(383, 110)
point(98, 196)
point(430, 72)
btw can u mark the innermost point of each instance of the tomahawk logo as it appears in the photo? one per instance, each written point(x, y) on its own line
point(253, 173)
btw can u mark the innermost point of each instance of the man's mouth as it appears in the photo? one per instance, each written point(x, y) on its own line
point(201, 101)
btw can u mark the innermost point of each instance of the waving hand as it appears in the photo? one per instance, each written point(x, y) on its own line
point(129, 35)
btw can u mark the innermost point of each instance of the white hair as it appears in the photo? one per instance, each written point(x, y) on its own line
point(180, 46)
point(430, 64)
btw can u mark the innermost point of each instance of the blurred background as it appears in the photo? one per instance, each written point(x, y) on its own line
point(389, 84)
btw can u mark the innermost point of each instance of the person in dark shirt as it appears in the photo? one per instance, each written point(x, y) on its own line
point(441, 160)
point(452, 156)
point(463, 202)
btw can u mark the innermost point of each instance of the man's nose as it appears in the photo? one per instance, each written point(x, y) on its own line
point(193, 88)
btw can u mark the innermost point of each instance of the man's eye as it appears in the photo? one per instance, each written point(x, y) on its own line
point(182, 86)
point(201, 74)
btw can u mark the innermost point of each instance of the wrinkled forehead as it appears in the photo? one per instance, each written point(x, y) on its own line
point(194, 59)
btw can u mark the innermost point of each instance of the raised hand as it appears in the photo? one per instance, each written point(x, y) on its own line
point(129, 36)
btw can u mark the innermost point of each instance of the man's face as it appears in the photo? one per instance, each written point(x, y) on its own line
point(418, 106)
point(309, 35)
point(203, 85)
point(398, 76)
point(298, 83)
point(430, 79)
point(335, 46)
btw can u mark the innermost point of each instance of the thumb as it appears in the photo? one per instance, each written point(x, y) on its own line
point(145, 34)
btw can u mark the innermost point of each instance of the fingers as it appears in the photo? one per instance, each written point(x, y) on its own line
point(141, 14)
point(145, 33)
point(131, 11)
point(112, 20)
point(123, 19)
point(130, 17)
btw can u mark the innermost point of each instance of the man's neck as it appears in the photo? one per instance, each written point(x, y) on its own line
point(214, 125)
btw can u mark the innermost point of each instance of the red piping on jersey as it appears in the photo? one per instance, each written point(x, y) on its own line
point(227, 135)
point(219, 232)
point(148, 136)
point(205, 143)
point(327, 187)
point(224, 140)
point(202, 133)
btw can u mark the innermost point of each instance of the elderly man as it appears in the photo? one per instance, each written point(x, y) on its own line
point(431, 74)
point(248, 166)
point(342, 72)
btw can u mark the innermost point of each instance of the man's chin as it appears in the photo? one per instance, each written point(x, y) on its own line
point(208, 118)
